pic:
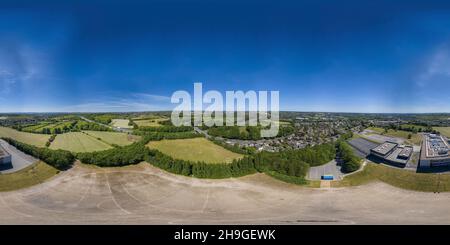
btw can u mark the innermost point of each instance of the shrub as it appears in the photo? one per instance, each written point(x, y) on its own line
point(59, 159)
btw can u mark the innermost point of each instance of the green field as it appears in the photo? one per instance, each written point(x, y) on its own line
point(121, 123)
point(443, 130)
point(32, 175)
point(401, 178)
point(416, 139)
point(78, 142)
point(150, 122)
point(197, 149)
point(28, 138)
point(114, 137)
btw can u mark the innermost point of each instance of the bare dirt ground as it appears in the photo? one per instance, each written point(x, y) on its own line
point(142, 194)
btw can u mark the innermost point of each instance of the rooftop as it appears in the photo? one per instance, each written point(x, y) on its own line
point(435, 147)
point(406, 152)
point(385, 148)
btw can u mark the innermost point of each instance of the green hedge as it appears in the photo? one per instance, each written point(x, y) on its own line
point(59, 159)
point(351, 162)
point(237, 168)
point(119, 156)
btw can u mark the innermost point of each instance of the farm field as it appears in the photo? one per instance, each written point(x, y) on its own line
point(443, 130)
point(121, 123)
point(38, 128)
point(150, 122)
point(28, 138)
point(78, 142)
point(114, 137)
point(197, 149)
point(416, 139)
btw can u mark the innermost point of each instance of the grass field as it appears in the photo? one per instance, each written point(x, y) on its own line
point(121, 123)
point(114, 137)
point(28, 138)
point(197, 149)
point(443, 130)
point(78, 142)
point(397, 177)
point(150, 122)
point(32, 175)
point(416, 139)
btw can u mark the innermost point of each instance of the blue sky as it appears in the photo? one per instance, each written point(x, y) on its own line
point(344, 56)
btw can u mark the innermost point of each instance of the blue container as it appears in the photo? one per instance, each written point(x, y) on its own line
point(327, 177)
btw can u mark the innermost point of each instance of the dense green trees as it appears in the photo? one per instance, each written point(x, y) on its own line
point(59, 159)
point(164, 135)
point(245, 132)
point(350, 162)
point(200, 169)
point(293, 163)
point(119, 156)
point(168, 129)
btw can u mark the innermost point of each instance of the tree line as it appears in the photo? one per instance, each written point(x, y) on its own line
point(60, 159)
point(294, 163)
point(350, 162)
point(167, 129)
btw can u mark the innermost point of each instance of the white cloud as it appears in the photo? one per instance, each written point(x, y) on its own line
point(19, 65)
point(436, 69)
point(133, 102)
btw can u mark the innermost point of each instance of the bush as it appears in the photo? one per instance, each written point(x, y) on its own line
point(119, 156)
point(237, 168)
point(59, 159)
point(351, 162)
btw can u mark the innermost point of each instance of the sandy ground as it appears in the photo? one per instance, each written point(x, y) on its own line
point(142, 194)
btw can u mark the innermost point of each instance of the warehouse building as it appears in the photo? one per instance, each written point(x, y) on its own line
point(392, 153)
point(5, 157)
point(384, 149)
point(434, 151)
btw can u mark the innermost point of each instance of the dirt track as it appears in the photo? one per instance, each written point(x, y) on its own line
point(145, 195)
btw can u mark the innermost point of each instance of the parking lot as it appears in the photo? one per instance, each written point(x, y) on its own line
point(362, 146)
point(331, 168)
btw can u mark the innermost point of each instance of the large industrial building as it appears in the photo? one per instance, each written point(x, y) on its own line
point(5, 157)
point(392, 153)
point(434, 151)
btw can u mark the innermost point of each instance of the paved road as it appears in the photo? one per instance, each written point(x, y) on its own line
point(20, 160)
point(123, 130)
point(315, 173)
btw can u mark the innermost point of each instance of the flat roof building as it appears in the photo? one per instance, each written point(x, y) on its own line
point(392, 153)
point(405, 153)
point(434, 151)
point(384, 149)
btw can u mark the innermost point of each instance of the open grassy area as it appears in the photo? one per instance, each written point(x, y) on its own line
point(416, 139)
point(121, 123)
point(196, 149)
point(150, 122)
point(443, 130)
point(28, 138)
point(78, 142)
point(397, 177)
point(114, 137)
point(32, 175)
